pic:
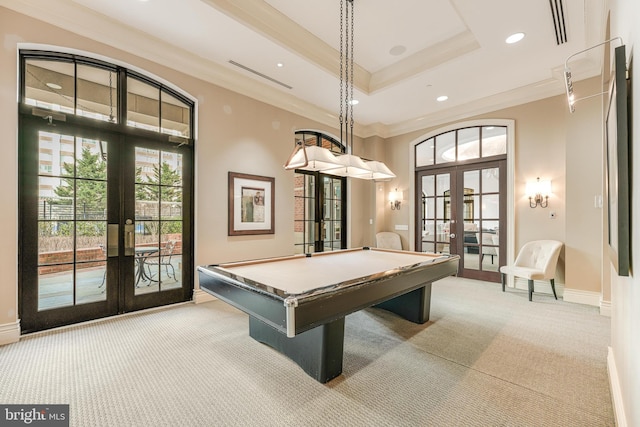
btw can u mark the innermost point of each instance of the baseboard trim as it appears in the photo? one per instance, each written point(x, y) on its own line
point(582, 297)
point(616, 392)
point(10, 333)
point(605, 308)
point(200, 296)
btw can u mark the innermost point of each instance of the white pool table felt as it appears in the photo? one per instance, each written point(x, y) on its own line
point(300, 274)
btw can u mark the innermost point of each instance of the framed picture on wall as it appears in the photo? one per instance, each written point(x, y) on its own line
point(617, 176)
point(251, 204)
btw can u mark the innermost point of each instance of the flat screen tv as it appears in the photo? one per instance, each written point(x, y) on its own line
point(618, 165)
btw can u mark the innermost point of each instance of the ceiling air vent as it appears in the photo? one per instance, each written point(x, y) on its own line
point(557, 11)
point(258, 73)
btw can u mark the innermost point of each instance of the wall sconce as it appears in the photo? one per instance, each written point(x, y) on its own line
point(538, 192)
point(395, 199)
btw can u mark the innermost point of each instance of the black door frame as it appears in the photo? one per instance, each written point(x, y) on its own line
point(320, 206)
point(120, 298)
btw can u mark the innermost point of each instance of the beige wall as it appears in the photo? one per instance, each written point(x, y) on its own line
point(624, 355)
point(551, 144)
point(9, 173)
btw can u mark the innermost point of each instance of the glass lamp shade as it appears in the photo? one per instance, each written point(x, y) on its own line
point(380, 171)
point(298, 158)
point(350, 166)
point(535, 188)
point(395, 196)
point(312, 158)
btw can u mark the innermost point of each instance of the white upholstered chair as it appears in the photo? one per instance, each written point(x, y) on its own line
point(388, 240)
point(536, 260)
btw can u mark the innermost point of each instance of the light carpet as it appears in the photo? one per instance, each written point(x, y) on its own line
point(486, 358)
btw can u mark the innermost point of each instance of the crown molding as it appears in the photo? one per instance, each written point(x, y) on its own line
point(522, 95)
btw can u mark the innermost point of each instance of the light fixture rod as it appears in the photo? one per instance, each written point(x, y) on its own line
point(592, 47)
point(568, 84)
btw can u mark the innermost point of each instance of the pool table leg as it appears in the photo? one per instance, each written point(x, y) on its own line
point(414, 306)
point(317, 351)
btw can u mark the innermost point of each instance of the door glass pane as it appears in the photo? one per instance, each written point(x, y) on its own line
point(97, 90)
point(489, 250)
point(158, 221)
point(332, 188)
point(446, 147)
point(471, 182)
point(71, 221)
point(170, 257)
point(429, 211)
point(56, 154)
point(50, 85)
point(304, 212)
point(428, 247)
point(176, 116)
point(428, 187)
point(143, 105)
point(481, 200)
point(91, 200)
point(491, 226)
point(442, 184)
point(491, 206)
point(491, 180)
point(468, 143)
point(170, 179)
point(310, 231)
point(55, 287)
point(494, 140)
point(443, 212)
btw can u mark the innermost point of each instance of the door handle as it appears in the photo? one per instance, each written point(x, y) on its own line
point(452, 235)
point(129, 238)
point(112, 239)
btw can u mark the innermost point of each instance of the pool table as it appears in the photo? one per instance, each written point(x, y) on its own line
point(297, 304)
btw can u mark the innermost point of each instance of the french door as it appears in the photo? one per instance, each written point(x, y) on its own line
point(462, 210)
point(320, 214)
point(105, 223)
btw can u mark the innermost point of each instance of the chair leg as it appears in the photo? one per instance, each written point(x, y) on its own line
point(553, 288)
point(530, 290)
point(173, 270)
point(502, 277)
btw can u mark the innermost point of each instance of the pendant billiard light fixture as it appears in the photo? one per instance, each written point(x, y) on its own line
point(321, 159)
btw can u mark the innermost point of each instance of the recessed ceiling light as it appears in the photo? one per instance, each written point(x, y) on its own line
point(442, 98)
point(54, 86)
point(354, 102)
point(280, 64)
point(514, 38)
point(397, 50)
